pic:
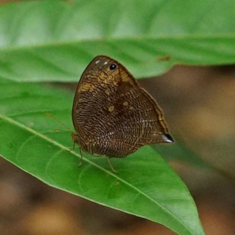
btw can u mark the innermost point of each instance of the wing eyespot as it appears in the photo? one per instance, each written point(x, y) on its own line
point(113, 66)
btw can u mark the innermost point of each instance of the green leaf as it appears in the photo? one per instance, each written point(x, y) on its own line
point(180, 152)
point(54, 40)
point(146, 186)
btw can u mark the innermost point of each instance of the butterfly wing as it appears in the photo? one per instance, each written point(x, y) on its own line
point(112, 114)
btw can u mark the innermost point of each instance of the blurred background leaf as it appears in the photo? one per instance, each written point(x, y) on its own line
point(55, 40)
point(179, 152)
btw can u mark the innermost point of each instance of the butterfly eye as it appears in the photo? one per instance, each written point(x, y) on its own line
point(113, 66)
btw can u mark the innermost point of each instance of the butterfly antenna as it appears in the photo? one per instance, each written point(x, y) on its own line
point(61, 123)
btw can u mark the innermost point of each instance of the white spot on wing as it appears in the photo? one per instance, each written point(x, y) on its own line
point(166, 139)
point(97, 61)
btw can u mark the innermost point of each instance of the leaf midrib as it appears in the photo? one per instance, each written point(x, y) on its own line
point(92, 163)
point(50, 43)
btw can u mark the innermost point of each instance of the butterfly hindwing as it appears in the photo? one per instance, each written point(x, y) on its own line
point(112, 114)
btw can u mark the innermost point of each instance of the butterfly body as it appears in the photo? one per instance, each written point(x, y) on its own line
point(112, 115)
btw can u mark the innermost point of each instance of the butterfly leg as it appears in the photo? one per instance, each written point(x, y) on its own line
point(81, 160)
point(111, 167)
point(70, 150)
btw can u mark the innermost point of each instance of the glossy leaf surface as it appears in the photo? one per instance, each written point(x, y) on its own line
point(146, 186)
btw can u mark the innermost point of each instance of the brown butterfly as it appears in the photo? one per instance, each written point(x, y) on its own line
point(112, 115)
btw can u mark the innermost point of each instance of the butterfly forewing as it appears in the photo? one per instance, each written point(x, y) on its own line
point(112, 114)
